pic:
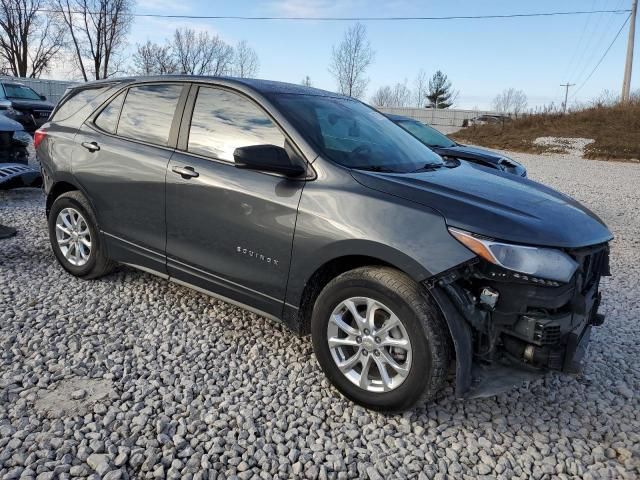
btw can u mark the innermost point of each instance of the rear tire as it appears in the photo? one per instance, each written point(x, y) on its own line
point(355, 312)
point(75, 238)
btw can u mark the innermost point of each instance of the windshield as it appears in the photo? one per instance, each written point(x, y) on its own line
point(426, 134)
point(21, 92)
point(354, 135)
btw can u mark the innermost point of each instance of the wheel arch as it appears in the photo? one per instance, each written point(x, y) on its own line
point(306, 283)
point(56, 190)
point(63, 185)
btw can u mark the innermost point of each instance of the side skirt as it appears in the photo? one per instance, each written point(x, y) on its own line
point(206, 292)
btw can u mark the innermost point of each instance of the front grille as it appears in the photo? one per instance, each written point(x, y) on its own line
point(594, 263)
point(546, 334)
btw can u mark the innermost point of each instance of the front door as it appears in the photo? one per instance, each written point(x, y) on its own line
point(230, 230)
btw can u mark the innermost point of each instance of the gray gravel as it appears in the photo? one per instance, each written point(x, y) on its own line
point(132, 377)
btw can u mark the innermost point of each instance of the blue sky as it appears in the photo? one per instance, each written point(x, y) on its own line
point(481, 57)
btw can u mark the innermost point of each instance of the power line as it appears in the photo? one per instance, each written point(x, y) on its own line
point(593, 50)
point(352, 19)
point(601, 58)
point(577, 49)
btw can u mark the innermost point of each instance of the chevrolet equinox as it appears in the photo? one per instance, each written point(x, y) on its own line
point(313, 208)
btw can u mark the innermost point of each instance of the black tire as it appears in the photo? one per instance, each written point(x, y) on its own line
point(98, 263)
point(421, 318)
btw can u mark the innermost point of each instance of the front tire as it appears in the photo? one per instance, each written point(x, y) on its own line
point(75, 238)
point(380, 339)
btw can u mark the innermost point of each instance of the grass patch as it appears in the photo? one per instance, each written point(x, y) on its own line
point(615, 129)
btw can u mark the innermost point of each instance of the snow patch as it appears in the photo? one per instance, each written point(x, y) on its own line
point(572, 146)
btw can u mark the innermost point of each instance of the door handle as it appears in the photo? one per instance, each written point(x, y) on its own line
point(185, 172)
point(91, 146)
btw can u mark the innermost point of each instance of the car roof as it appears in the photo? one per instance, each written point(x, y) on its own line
point(264, 87)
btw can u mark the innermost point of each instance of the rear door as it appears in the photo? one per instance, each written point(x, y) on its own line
point(229, 230)
point(121, 160)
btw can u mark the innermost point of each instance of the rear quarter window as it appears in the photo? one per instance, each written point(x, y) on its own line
point(107, 119)
point(83, 100)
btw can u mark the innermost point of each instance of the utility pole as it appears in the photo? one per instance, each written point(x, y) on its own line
point(566, 93)
point(626, 83)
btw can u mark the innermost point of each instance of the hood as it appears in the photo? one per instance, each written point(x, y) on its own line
point(9, 125)
point(31, 104)
point(463, 151)
point(483, 157)
point(495, 204)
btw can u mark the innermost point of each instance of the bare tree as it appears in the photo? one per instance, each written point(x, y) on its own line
point(606, 98)
point(245, 61)
point(350, 60)
point(421, 89)
point(306, 81)
point(199, 53)
point(440, 93)
point(398, 95)
point(153, 59)
point(510, 101)
point(401, 94)
point(29, 38)
point(382, 97)
point(98, 31)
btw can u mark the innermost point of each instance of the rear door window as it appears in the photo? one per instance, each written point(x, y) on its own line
point(223, 121)
point(107, 120)
point(148, 112)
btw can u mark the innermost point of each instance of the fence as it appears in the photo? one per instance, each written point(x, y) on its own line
point(52, 89)
point(435, 116)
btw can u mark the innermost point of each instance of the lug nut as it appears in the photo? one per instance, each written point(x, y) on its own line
point(378, 340)
point(365, 353)
point(366, 331)
point(377, 353)
point(359, 339)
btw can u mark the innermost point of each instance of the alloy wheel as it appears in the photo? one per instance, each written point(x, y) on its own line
point(369, 344)
point(73, 236)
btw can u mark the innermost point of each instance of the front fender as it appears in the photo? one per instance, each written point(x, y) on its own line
point(338, 217)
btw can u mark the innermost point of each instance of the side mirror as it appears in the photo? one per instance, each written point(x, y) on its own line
point(267, 158)
point(42, 97)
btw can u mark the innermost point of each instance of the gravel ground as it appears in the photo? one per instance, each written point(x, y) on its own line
point(133, 377)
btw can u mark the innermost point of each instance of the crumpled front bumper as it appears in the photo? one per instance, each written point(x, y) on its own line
point(531, 330)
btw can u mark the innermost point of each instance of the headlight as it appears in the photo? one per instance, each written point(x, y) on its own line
point(22, 138)
point(539, 262)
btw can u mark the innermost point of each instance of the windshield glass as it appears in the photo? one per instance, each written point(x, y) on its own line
point(21, 92)
point(426, 134)
point(354, 135)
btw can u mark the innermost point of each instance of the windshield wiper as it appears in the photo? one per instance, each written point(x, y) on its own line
point(376, 168)
point(429, 166)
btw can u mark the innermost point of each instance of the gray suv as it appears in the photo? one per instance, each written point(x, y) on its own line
point(314, 209)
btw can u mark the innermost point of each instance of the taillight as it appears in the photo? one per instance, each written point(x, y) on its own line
point(38, 136)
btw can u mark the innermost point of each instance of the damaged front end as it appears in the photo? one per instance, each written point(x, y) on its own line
point(508, 326)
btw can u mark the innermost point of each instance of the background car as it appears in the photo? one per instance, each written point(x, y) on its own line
point(484, 119)
point(447, 148)
point(15, 151)
point(25, 105)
